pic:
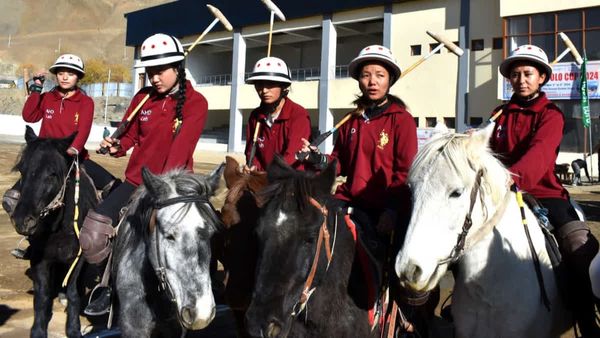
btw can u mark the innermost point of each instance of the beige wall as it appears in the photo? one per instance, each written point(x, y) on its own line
point(520, 7)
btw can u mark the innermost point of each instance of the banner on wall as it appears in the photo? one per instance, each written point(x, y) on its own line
point(565, 81)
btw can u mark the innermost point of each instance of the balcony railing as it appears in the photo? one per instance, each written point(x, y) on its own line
point(298, 74)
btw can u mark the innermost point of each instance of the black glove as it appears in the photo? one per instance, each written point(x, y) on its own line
point(35, 88)
point(317, 159)
point(41, 78)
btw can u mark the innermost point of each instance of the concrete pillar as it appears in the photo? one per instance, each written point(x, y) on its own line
point(328, 52)
point(462, 93)
point(387, 26)
point(238, 69)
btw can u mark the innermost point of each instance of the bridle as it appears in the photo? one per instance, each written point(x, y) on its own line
point(461, 240)
point(323, 240)
point(58, 200)
point(160, 270)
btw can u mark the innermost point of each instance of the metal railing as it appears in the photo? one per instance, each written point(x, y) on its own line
point(298, 74)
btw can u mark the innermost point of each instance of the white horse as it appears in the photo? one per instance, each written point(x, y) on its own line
point(496, 291)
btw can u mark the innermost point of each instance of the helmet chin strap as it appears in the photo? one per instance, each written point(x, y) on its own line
point(531, 96)
point(270, 108)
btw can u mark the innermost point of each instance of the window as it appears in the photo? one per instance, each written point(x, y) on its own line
point(415, 50)
point(430, 122)
point(450, 122)
point(582, 26)
point(497, 43)
point(416, 121)
point(433, 46)
point(475, 121)
point(476, 44)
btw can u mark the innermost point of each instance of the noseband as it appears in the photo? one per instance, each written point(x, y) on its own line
point(308, 290)
point(461, 240)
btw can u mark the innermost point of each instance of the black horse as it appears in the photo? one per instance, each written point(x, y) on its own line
point(305, 261)
point(162, 255)
point(45, 169)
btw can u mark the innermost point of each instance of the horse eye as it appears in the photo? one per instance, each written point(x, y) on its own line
point(456, 193)
point(170, 237)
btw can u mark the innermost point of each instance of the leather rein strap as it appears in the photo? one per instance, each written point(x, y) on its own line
point(324, 235)
point(461, 240)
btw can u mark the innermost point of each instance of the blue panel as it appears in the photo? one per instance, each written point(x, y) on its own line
point(190, 17)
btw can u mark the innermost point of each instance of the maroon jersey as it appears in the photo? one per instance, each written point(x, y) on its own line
point(283, 137)
point(527, 138)
point(375, 156)
point(61, 116)
point(151, 135)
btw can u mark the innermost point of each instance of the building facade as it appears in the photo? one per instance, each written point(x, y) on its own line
point(320, 38)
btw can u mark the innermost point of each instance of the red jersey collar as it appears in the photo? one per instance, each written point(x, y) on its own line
point(536, 105)
point(75, 97)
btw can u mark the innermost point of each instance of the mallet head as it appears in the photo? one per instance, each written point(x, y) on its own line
point(273, 8)
point(217, 13)
point(571, 47)
point(447, 43)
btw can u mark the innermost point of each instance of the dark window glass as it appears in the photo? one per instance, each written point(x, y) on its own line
point(450, 122)
point(475, 121)
point(477, 44)
point(569, 20)
point(518, 25)
point(576, 39)
point(415, 50)
point(542, 23)
point(497, 43)
point(516, 41)
point(432, 46)
point(416, 121)
point(545, 42)
point(430, 122)
point(592, 17)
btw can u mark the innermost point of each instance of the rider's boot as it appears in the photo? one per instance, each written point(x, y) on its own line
point(579, 247)
point(107, 189)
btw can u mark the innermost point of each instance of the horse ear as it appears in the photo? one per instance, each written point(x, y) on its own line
point(278, 168)
point(30, 135)
point(215, 177)
point(480, 139)
point(325, 180)
point(232, 171)
point(154, 184)
point(67, 141)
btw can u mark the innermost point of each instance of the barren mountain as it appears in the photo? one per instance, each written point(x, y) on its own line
point(36, 32)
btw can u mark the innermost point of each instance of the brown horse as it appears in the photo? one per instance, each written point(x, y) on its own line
point(238, 245)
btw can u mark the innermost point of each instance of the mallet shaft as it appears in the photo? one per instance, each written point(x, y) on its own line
point(212, 24)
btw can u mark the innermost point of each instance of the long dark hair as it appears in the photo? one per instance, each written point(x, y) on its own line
point(181, 93)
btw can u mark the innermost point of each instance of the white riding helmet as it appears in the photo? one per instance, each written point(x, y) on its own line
point(69, 61)
point(270, 69)
point(529, 53)
point(375, 53)
point(160, 49)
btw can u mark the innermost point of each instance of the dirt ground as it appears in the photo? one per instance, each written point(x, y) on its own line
point(16, 313)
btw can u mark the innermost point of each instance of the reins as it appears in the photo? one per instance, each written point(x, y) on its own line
point(323, 240)
point(75, 213)
point(58, 200)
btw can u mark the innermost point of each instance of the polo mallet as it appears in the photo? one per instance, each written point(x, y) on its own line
point(253, 149)
point(274, 11)
point(570, 49)
point(443, 42)
point(490, 120)
point(218, 17)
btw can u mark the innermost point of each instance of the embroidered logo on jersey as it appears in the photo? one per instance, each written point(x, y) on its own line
point(76, 117)
point(383, 139)
point(500, 133)
point(261, 142)
point(49, 114)
point(145, 115)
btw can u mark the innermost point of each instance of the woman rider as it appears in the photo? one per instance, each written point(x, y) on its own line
point(281, 122)
point(527, 138)
point(163, 135)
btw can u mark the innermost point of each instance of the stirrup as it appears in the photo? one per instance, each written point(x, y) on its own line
point(21, 253)
point(97, 307)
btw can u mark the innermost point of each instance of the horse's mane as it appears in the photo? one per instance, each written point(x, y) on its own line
point(252, 182)
point(285, 183)
point(142, 203)
point(455, 149)
point(44, 146)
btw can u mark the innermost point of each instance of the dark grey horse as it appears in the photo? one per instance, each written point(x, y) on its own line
point(47, 173)
point(162, 256)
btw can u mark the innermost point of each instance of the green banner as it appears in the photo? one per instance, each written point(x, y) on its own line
point(585, 102)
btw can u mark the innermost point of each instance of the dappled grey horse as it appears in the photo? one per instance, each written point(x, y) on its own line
point(162, 255)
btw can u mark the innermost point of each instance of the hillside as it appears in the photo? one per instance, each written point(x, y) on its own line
point(89, 28)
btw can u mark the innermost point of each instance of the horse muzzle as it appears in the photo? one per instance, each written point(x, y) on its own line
point(197, 317)
point(412, 277)
point(25, 226)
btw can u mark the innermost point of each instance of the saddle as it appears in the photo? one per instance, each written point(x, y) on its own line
point(542, 216)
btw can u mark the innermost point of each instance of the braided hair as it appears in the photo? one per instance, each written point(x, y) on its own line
point(180, 98)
